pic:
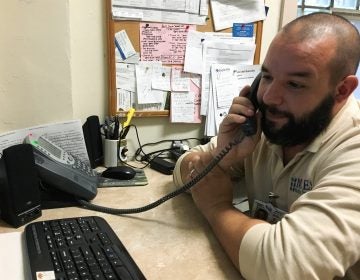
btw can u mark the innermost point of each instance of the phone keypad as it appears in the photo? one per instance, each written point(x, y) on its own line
point(84, 167)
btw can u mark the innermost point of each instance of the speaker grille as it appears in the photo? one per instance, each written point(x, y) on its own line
point(22, 179)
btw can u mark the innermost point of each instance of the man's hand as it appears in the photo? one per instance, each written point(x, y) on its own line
point(214, 190)
point(240, 110)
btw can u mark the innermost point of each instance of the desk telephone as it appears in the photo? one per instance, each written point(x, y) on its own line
point(67, 173)
point(248, 128)
point(61, 170)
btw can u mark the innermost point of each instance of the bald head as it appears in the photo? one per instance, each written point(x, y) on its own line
point(319, 27)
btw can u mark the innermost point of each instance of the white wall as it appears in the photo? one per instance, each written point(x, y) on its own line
point(35, 73)
point(280, 12)
point(53, 66)
point(88, 57)
point(53, 62)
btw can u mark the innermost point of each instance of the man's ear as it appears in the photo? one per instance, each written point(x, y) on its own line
point(346, 87)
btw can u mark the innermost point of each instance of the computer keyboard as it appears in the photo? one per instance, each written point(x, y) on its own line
point(78, 249)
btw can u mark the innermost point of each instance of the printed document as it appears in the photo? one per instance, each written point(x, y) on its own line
point(68, 135)
point(226, 83)
point(164, 42)
point(169, 11)
point(216, 52)
point(227, 12)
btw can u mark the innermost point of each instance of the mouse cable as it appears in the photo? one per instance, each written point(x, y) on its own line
point(181, 190)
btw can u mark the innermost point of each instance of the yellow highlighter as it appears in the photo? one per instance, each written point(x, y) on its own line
point(126, 126)
point(129, 116)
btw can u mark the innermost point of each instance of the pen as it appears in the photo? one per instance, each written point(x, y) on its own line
point(115, 135)
point(126, 130)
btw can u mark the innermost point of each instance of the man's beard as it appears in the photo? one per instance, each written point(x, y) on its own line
point(297, 131)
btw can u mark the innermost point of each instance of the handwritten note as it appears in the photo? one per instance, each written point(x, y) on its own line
point(185, 106)
point(180, 81)
point(164, 42)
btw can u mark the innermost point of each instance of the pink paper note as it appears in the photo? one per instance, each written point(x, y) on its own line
point(164, 42)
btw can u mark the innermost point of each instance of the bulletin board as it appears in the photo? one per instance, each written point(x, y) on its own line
point(132, 30)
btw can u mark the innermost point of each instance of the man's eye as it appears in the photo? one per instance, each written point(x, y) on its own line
point(295, 85)
point(266, 77)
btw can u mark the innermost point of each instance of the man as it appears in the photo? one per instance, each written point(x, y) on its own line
point(303, 165)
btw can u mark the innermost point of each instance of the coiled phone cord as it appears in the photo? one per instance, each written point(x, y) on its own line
point(181, 190)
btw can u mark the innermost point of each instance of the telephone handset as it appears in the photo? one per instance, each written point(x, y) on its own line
point(249, 127)
point(61, 170)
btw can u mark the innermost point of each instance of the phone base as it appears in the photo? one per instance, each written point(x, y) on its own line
point(52, 198)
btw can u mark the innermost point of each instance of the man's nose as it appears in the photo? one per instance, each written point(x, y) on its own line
point(272, 94)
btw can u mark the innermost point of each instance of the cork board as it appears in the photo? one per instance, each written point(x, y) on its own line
point(132, 30)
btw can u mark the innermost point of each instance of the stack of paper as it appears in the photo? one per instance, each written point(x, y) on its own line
point(225, 83)
point(174, 11)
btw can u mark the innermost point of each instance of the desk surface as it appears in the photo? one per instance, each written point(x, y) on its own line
point(171, 241)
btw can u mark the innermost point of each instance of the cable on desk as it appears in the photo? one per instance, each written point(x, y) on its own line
point(181, 190)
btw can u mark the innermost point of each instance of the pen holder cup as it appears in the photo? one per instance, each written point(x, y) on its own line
point(111, 152)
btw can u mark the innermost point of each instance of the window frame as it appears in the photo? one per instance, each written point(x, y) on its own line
point(302, 7)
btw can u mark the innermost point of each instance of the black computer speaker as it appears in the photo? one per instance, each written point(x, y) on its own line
point(19, 186)
point(93, 141)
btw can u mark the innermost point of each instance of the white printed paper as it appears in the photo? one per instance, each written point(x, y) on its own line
point(124, 99)
point(180, 81)
point(226, 12)
point(216, 52)
point(125, 76)
point(184, 109)
point(68, 135)
point(175, 11)
point(226, 83)
point(161, 78)
point(124, 45)
point(144, 74)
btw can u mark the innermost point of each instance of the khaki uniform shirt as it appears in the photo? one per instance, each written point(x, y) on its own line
point(320, 188)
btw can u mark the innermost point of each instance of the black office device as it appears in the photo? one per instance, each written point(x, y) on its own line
point(61, 170)
point(121, 172)
point(162, 165)
point(93, 141)
point(78, 248)
point(249, 127)
point(19, 186)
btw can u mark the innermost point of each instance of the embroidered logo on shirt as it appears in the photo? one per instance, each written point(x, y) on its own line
point(300, 185)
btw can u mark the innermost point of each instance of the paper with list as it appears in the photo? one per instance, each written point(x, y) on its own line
point(182, 107)
point(164, 42)
point(180, 80)
point(125, 76)
point(226, 83)
point(123, 44)
point(68, 135)
point(193, 62)
point(216, 52)
point(174, 11)
point(245, 10)
point(185, 106)
point(124, 99)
